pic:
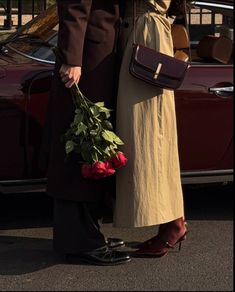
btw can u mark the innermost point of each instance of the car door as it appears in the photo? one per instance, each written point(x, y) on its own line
point(204, 118)
point(12, 124)
point(204, 102)
point(38, 90)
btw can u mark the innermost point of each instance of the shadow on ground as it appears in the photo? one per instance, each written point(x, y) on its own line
point(21, 255)
point(209, 202)
point(36, 210)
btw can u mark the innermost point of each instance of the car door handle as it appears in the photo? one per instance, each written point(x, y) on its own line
point(225, 91)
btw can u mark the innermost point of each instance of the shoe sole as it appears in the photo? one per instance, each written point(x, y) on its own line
point(84, 260)
point(149, 255)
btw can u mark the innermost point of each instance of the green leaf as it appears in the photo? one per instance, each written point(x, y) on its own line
point(78, 118)
point(94, 156)
point(100, 104)
point(78, 111)
point(80, 128)
point(106, 136)
point(118, 141)
point(69, 146)
point(106, 124)
point(86, 155)
point(104, 109)
point(95, 111)
point(115, 138)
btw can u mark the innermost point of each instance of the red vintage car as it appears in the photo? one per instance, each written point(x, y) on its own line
point(204, 102)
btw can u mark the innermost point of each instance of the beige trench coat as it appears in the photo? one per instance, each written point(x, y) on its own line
point(148, 189)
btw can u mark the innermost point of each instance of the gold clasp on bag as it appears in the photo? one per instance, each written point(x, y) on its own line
point(159, 67)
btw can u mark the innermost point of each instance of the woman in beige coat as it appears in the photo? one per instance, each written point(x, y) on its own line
point(148, 189)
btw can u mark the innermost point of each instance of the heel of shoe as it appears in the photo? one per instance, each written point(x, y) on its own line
point(182, 239)
point(180, 245)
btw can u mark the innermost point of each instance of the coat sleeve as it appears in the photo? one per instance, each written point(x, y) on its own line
point(73, 20)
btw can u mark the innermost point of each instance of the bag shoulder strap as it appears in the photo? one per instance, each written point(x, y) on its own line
point(134, 21)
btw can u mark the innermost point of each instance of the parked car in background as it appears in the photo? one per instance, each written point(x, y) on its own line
point(204, 102)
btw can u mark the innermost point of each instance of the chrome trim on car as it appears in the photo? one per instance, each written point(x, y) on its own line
point(225, 89)
point(23, 181)
point(210, 176)
point(217, 5)
point(30, 57)
point(207, 180)
point(206, 172)
point(23, 186)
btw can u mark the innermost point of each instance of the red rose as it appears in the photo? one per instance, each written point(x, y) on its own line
point(119, 160)
point(109, 168)
point(98, 170)
point(86, 170)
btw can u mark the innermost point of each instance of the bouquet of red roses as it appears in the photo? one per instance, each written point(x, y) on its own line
point(91, 136)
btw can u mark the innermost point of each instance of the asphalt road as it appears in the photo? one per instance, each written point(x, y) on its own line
point(205, 263)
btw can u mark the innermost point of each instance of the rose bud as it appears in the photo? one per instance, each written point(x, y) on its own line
point(119, 160)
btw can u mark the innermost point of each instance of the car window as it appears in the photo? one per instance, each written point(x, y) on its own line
point(211, 33)
point(45, 27)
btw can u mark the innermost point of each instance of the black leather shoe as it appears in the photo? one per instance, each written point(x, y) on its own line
point(114, 242)
point(101, 257)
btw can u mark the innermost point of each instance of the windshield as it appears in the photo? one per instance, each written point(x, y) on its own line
point(45, 27)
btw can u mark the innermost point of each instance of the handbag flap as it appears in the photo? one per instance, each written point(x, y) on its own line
point(150, 59)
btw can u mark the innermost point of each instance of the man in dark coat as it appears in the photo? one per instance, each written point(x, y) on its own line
point(87, 39)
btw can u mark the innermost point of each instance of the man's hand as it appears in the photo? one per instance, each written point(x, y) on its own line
point(70, 74)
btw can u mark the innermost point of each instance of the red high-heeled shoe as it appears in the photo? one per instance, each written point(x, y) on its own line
point(149, 242)
point(159, 247)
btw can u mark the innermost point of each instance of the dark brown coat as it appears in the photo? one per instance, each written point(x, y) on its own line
point(87, 37)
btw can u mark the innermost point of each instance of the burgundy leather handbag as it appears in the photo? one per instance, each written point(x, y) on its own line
point(155, 68)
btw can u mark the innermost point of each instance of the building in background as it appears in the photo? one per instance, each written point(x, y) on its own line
point(15, 13)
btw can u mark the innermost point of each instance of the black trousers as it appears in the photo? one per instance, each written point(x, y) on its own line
point(76, 227)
